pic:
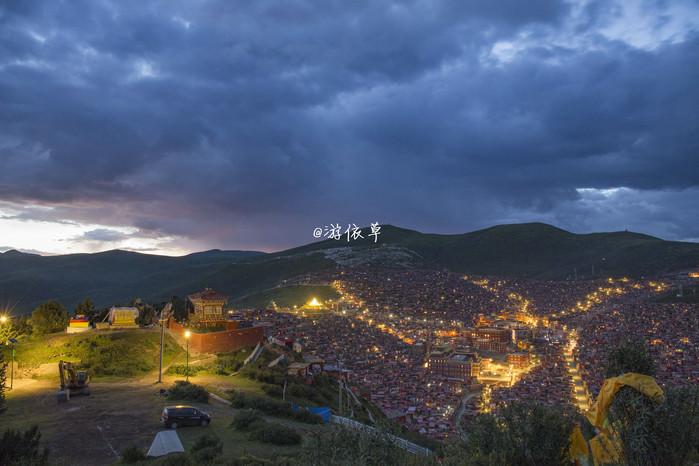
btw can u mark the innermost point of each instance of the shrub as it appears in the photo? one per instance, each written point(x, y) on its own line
point(276, 434)
point(302, 391)
point(240, 400)
point(176, 459)
point(275, 391)
point(348, 447)
point(206, 448)
point(249, 460)
point(22, 448)
point(183, 370)
point(132, 454)
point(245, 419)
point(264, 375)
point(188, 391)
point(304, 415)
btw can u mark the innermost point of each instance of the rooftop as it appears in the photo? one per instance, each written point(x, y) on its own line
point(208, 294)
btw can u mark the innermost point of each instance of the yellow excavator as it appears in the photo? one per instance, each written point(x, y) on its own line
point(73, 382)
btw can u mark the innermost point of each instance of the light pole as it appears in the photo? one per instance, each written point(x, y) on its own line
point(162, 335)
point(187, 334)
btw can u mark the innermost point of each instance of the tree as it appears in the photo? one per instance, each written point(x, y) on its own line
point(651, 433)
point(21, 326)
point(519, 433)
point(7, 331)
point(656, 434)
point(3, 380)
point(146, 312)
point(86, 308)
point(49, 317)
point(179, 309)
point(630, 356)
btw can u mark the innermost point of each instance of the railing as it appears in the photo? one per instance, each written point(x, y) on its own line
point(399, 442)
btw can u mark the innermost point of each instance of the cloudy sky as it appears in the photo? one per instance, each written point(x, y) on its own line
point(173, 126)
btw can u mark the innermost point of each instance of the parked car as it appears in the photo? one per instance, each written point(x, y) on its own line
point(181, 415)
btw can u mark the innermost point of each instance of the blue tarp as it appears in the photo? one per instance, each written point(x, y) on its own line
point(322, 411)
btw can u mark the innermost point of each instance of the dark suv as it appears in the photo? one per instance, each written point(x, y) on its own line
point(178, 416)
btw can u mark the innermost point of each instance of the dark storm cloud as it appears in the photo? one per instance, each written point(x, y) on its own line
point(103, 235)
point(247, 125)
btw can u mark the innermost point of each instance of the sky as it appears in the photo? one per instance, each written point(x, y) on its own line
point(172, 126)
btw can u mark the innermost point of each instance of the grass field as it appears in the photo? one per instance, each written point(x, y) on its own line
point(94, 430)
point(287, 296)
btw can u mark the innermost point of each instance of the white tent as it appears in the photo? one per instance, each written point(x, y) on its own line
point(165, 442)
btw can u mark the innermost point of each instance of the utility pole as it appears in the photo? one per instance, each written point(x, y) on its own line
point(12, 367)
point(164, 315)
point(339, 388)
point(187, 334)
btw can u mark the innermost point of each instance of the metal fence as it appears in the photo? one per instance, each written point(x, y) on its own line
point(399, 442)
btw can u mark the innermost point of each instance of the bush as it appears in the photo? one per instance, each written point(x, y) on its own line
point(206, 448)
point(132, 454)
point(275, 391)
point(304, 415)
point(249, 460)
point(245, 419)
point(240, 400)
point(22, 448)
point(264, 375)
point(183, 370)
point(176, 459)
point(276, 434)
point(188, 391)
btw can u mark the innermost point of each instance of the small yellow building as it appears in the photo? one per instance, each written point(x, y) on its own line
point(123, 317)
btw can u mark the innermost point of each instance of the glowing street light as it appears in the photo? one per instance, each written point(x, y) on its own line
point(187, 334)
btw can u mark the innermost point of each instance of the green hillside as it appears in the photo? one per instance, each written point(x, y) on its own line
point(532, 250)
point(109, 353)
point(286, 296)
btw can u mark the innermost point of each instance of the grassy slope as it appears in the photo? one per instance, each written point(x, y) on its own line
point(108, 353)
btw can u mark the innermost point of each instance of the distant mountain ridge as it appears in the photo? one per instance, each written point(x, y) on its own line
point(531, 250)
